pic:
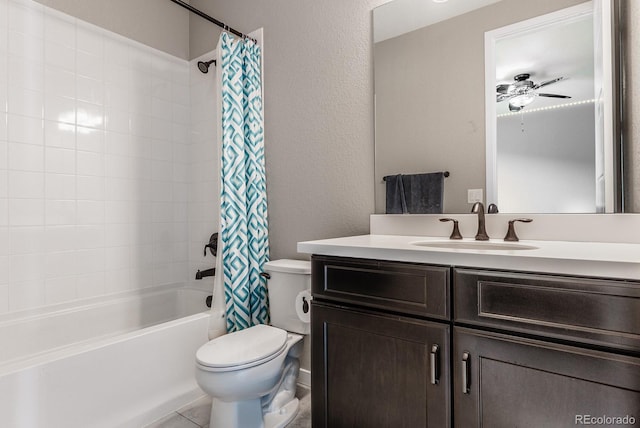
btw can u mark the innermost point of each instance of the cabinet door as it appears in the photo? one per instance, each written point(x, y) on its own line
point(506, 381)
point(375, 370)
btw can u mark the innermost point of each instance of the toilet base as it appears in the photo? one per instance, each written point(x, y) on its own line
point(282, 416)
point(236, 414)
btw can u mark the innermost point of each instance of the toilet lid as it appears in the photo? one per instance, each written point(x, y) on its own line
point(242, 347)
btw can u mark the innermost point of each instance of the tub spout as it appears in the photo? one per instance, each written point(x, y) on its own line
point(205, 273)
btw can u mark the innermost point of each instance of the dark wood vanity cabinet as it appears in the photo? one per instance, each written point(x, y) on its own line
point(504, 381)
point(533, 350)
point(412, 345)
point(372, 365)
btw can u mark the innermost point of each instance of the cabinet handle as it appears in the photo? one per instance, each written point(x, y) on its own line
point(466, 374)
point(434, 360)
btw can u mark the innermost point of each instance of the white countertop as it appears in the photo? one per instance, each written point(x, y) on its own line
point(599, 259)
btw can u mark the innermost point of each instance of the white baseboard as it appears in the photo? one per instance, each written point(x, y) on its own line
point(304, 378)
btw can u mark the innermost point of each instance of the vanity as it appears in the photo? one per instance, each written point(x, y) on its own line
point(415, 335)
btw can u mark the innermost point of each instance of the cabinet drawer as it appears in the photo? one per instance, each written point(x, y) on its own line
point(601, 312)
point(402, 287)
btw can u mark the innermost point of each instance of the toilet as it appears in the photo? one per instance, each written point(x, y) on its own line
point(251, 374)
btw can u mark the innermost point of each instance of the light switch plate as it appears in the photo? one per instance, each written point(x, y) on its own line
point(474, 195)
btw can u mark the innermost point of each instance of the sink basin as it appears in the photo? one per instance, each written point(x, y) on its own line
point(475, 245)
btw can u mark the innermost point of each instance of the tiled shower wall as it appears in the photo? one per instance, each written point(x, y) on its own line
point(94, 161)
point(204, 185)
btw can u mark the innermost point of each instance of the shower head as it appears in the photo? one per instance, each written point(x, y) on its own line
point(204, 66)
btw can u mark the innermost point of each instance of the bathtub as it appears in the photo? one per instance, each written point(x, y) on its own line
point(121, 361)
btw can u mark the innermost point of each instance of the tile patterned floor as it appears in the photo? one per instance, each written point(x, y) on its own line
point(196, 414)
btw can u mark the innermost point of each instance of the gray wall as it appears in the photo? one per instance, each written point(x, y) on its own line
point(318, 111)
point(157, 23)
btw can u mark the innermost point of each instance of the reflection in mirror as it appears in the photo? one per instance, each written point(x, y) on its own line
point(543, 144)
point(430, 101)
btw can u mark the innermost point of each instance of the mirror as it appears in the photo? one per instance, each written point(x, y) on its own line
point(431, 101)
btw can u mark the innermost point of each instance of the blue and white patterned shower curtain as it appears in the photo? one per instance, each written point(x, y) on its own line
point(243, 211)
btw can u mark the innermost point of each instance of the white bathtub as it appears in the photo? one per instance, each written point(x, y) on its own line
point(118, 362)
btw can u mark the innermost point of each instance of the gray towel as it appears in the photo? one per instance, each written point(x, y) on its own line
point(415, 193)
point(396, 202)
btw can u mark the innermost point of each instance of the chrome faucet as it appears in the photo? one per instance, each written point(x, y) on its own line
point(478, 208)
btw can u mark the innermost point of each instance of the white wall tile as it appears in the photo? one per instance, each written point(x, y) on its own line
point(4, 270)
point(26, 267)
point(60, 109)
point(91, 188)
point(89, 115)
point(59, 134)
point(26, 212)
point(25, 102)
point(62, 263)
point(117, 258)
point(90, 285)
point(26, 294)
point(3, 127)
point(117, 52)
point(4, 297)
point(4, 212)
point(89, 65)
point(27, 46)
point(24, 184)
point(60, 212)
point(60, 238)
point(59, 55)
point(119, 144)
point(118, 235)
point(60, 186)
point(89, 261)
point(26, 240)
point(118, 280)
point(4, 25)
point(4, 184)
point(4, 241)
point(90, 90)
point(25, 157)
point(117, 120)
point(58, 290)
point(25, 19)
point(22, 129)
point(89, 39)
point(60, 28)
point(93, 129)
point(59, 82)
point(90, 163)
point(91, 212)
point(90, 236)
point(24, 73)
point(60, 161)
point(90, 139)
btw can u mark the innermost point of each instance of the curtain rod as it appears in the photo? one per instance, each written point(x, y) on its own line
point(212, 19)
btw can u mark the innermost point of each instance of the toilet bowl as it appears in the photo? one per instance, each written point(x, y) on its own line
point(251, 374)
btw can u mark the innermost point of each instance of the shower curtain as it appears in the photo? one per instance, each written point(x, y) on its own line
point(243, 210)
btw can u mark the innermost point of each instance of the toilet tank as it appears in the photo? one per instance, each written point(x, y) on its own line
point(289, 286)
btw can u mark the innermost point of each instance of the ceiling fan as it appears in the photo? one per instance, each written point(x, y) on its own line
point(523, 91)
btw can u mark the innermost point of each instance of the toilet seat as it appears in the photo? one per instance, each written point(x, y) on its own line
point(242, 349)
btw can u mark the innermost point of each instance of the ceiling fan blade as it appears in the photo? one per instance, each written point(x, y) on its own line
point(548, 82)
point(554, 96)
point(504, 97)
point(503, 88)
